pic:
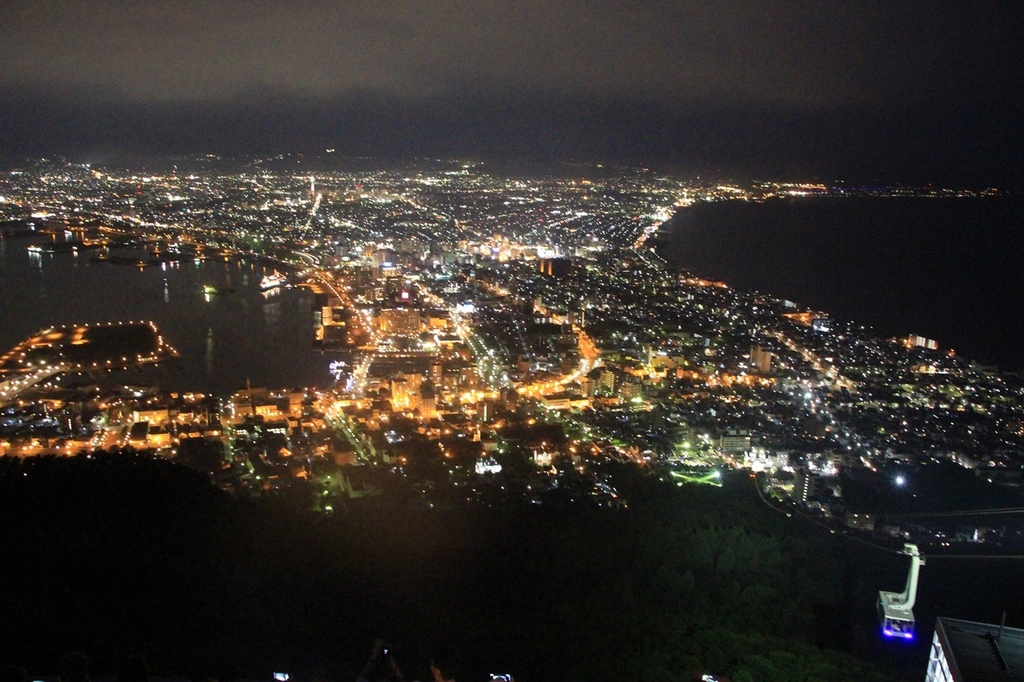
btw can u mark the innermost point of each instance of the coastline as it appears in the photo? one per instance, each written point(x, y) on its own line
point(942, 268)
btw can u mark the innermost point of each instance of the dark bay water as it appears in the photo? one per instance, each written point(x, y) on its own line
point(223, 339)
point(948, 269)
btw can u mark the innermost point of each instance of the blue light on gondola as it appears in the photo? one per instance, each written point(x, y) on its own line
point(892, 633)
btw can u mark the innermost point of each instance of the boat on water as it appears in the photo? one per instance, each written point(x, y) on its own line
point(272, 281)
point(62, 247)
point(124, 260)
point(211, 290)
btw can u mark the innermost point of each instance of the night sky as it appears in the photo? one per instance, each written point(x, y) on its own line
point(860, 91)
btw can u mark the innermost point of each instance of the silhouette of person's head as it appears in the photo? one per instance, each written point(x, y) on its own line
point(13, 673)
point(380, 664)
point(133, 669)
point(445, 663)
point(74, 667)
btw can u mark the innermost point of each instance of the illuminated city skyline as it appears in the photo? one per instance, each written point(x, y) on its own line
point(602, 340)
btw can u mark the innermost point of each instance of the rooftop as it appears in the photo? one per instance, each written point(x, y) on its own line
point(980, 652)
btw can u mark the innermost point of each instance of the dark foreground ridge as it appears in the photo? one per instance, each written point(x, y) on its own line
point(121, 554)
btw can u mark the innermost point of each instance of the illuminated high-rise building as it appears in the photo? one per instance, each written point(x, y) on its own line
point(428, 400)
point(761, 359)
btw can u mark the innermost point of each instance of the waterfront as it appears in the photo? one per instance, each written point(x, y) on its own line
point(224, 338)
point(599, 382)
point(943, 268)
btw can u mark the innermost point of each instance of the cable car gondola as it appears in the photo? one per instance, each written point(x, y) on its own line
point(896, 609)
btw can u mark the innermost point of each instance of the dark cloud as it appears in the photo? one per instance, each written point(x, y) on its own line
point(766, 52)
point(676, 80)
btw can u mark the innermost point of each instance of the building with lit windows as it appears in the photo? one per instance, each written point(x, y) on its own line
point(399, 321)
point(761, 359)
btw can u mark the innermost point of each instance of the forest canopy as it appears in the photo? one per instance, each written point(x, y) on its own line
point(123, 554)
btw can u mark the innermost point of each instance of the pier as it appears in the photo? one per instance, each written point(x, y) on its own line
point(80, 348)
